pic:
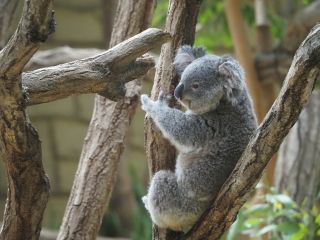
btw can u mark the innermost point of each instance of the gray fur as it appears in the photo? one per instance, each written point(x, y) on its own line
point(210, 137)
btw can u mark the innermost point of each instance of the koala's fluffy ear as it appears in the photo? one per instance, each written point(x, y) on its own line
point(185, 55)
point(234, 78)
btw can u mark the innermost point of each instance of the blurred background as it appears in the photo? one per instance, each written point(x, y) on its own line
point(285, 205)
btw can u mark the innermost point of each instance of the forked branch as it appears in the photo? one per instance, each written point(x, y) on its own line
point(104, 73)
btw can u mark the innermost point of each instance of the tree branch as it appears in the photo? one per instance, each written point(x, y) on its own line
point(105, 73)
point(35, 26)
point(20, 147)
point(107, 133)
point(265, 142)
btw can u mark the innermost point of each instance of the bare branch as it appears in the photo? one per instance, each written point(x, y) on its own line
point(265, 142)
point(105, 73)
point(34, 28)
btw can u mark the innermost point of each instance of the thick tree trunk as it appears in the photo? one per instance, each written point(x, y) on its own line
point(298, 168)
point(104, 144)
point(181, 22)
point(20, 147)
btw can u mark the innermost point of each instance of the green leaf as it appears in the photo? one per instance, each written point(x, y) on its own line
point(289, 228)
point(303, 231)
point(318, 219)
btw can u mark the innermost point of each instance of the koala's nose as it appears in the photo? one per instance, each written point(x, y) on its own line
point(178, 91)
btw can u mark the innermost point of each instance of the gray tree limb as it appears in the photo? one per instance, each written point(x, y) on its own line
point(285, 111)
point(104, 73)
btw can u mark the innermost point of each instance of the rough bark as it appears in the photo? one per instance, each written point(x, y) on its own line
point(298, 168)
point(20, 146)
point(180, 23)
point(104, 143)
point(105, 73)
point(285, 111)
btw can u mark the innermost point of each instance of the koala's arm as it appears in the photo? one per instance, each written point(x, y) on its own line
point(185, 131)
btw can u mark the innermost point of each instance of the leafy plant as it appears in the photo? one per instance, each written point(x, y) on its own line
point(278, 217)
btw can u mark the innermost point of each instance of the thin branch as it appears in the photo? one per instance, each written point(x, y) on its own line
point(105, 73)
point(265, 142)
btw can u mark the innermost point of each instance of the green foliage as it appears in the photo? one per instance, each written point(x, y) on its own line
point(277, 26)
point(212, 28)
point(278, 217)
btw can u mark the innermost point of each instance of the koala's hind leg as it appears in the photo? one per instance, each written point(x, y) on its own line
point(167, 207)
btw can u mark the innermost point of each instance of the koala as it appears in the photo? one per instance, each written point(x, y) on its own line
point(209, 136)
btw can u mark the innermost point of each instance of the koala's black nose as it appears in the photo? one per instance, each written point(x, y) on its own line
point(178, 91)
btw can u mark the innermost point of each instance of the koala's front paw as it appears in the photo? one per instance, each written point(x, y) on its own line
point(146, 103)
point(145, 202)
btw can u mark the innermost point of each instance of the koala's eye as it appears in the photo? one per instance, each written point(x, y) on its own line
point(195, 85)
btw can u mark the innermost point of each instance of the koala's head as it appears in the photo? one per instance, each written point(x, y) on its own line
point(205, 80)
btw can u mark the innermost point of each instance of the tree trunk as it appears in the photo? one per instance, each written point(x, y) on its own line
point(298, 168)
point(104, 144)
point(20, 147)
point(181, 22)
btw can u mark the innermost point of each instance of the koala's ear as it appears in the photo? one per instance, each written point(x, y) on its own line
point(186, 55)
point(233, 79)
